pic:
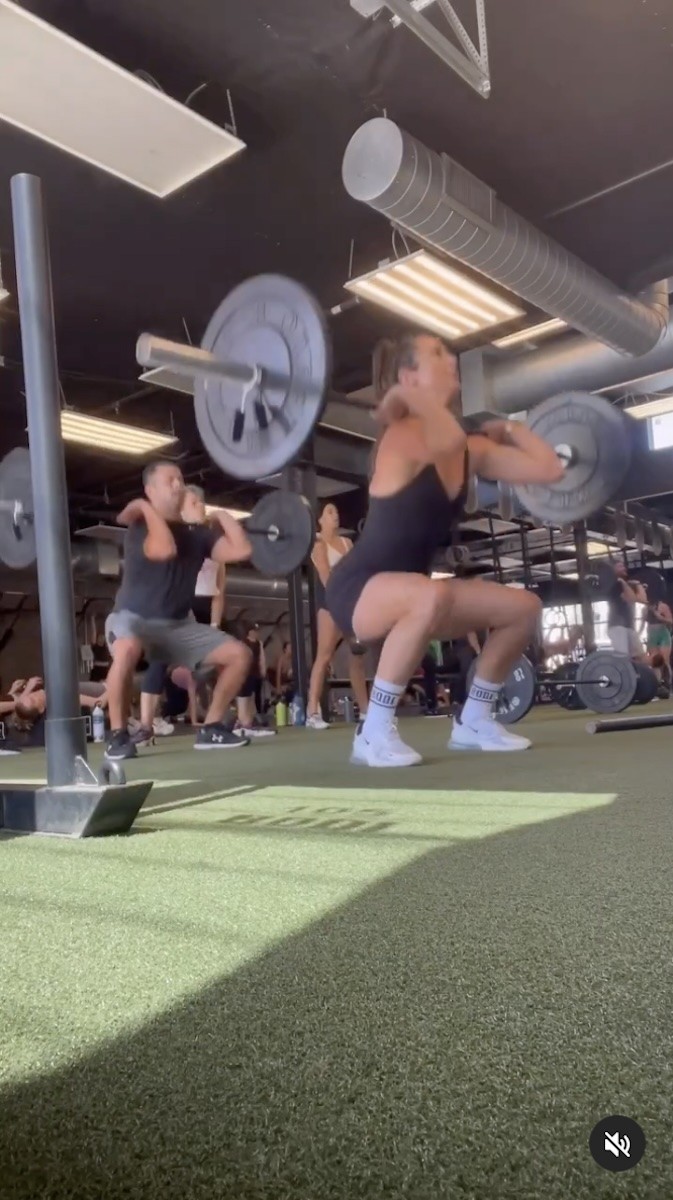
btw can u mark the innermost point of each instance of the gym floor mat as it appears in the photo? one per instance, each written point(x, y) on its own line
point(299, 979)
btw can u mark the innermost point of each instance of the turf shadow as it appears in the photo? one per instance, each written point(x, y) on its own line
point(454, 1031)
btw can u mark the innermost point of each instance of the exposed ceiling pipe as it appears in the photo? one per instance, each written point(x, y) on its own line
point(440, 203)
point(568, 363)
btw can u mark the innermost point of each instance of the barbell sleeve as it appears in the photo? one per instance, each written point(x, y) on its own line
point(154, 351)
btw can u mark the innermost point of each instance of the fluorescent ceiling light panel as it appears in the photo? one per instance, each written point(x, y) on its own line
point(59, 90)
point(442, 575)
point(532, 334)
point(435, 295)
point(651, 408)
point(597, 549)
point(111, 436)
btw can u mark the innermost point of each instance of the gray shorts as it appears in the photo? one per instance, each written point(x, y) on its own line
point(625, 641)
point(179, 643)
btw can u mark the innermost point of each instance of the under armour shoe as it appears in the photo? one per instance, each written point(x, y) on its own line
point(385, 749)
point(485, 735)
point(219, 737)
point(119, 746)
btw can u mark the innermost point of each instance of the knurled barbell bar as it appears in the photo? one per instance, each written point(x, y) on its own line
point(260, 377)
point(280, 527)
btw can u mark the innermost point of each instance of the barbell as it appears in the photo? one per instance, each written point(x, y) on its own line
point(260, 374)
point(603, 682)
point(260, 378)
point(280, 527)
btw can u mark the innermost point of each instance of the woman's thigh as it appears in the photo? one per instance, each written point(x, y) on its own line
point(453, 607)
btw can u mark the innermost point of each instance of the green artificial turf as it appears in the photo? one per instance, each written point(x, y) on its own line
point(297, 979)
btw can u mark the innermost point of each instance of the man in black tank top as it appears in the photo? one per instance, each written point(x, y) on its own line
point(383, 591)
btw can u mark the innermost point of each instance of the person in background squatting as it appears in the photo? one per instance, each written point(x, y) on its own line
point(329, 549)
point(417, 491)
point(208, 609)
point(162, 559)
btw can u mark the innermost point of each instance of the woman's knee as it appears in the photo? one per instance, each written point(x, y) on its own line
point(436, 602)
point(529, 608)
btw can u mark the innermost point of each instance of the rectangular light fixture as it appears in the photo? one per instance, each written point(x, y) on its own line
point(57, 89)
point(532, 334)
point(442, 575)
point(111, 436)
point(434, 295)
point(650, 408)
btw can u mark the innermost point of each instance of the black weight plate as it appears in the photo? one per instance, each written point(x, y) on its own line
point(647, 684)
point(567, 696)
point(272, 322)
point(518, 693)
point(606, 682)
point(17, 541)
point(599, 438)
point(288, 519)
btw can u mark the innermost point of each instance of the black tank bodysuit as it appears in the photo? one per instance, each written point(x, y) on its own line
point(402, 532)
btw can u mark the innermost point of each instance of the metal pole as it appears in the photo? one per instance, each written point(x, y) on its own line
point(65, 736)
point(583, 568)
point(292, 482)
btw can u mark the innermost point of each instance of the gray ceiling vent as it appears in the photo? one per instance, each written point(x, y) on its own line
point(441, 204)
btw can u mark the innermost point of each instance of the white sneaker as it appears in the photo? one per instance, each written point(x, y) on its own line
point(316, 721)
point(485, 735)
point(386, 750)
point(254, 731)
point(162, 728)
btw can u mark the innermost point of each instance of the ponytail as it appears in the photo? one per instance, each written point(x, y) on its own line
point(389, 356)
point(383, 367)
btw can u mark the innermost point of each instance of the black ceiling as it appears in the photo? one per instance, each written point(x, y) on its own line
point(581, 96)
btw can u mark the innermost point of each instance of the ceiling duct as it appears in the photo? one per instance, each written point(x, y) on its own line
point(570, 363)
point(441, 204)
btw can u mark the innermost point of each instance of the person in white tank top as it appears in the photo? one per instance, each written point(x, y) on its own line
point(330, 547)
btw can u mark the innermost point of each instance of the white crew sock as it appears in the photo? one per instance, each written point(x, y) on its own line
point(383, 702)
point(480, 702)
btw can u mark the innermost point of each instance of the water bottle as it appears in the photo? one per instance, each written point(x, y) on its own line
point(281, 713)
point(349, 710)
point(98, 724)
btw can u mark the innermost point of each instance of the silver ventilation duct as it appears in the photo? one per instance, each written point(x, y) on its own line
point(439, 202)
point(570, 363)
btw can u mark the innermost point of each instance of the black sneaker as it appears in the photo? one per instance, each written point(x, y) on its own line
point(119, 745)
point(218, 737)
